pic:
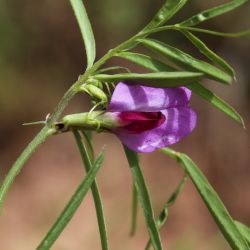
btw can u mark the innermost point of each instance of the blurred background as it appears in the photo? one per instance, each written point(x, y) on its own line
point(41, 55)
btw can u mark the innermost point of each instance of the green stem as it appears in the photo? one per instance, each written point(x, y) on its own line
point(134, 209)
point(46, 131)
point(210, 32)
point(40, 137)
point(95, 191)
point(215, 33)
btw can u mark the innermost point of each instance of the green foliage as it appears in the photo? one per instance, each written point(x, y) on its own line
point(146, 61)
point(88, 158)
point(164, 75)
point(219, 103)
point(245, 231)
point(17, 166)
point(202, 47)
point(143, 196)
point(186, 61)
point(167, 11)
point(156, 65)
point(211, 200)
point(161, 79)
point(72, 206)
point(134, 209)
point(164, 212)
point(89, 147)
point(86, 30)
point(200, 30)
point(213, 12)
point(114, 68)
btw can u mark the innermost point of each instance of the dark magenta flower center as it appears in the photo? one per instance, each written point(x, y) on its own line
point(138, 122)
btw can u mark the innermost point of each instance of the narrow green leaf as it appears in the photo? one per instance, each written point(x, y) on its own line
point(161, 79)
point(71, 207)
point(146, 61)
point(197, 88)
point(171, 200)
point(164, 212)
point(219, 103)
point(211, 32)
point(89, 147)
point(86, 30)
point(186, 61)
point(143, 196)
point(212, 201)
point(202, 47)
point(114, 68)
point(87, 161)
point(134, 209)
point(167, 11)
point(245, 231)
point(213, 12)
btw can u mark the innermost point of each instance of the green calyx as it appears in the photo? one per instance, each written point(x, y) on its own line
point(94, 120)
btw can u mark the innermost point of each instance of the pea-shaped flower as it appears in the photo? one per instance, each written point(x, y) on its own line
point(150, 118)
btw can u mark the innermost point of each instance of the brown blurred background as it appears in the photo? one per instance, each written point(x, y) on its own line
point(41, 54)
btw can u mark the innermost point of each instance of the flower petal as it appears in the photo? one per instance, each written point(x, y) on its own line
point(141, 98)
point(179, 122)
point(138, 122)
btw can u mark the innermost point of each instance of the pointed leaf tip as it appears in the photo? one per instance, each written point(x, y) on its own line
point(211, 199)
point(158, 66)
point(216, 59)
point(186, 61)
point(219, 103)
point(213, 12)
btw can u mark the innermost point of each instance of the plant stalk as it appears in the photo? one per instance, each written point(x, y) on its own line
point(47, 130)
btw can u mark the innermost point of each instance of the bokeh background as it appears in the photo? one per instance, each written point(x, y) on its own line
point(41, 54)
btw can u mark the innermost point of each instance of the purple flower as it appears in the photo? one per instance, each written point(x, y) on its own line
point(151, 118)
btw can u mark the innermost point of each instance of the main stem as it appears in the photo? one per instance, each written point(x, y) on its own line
point(47, 130)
